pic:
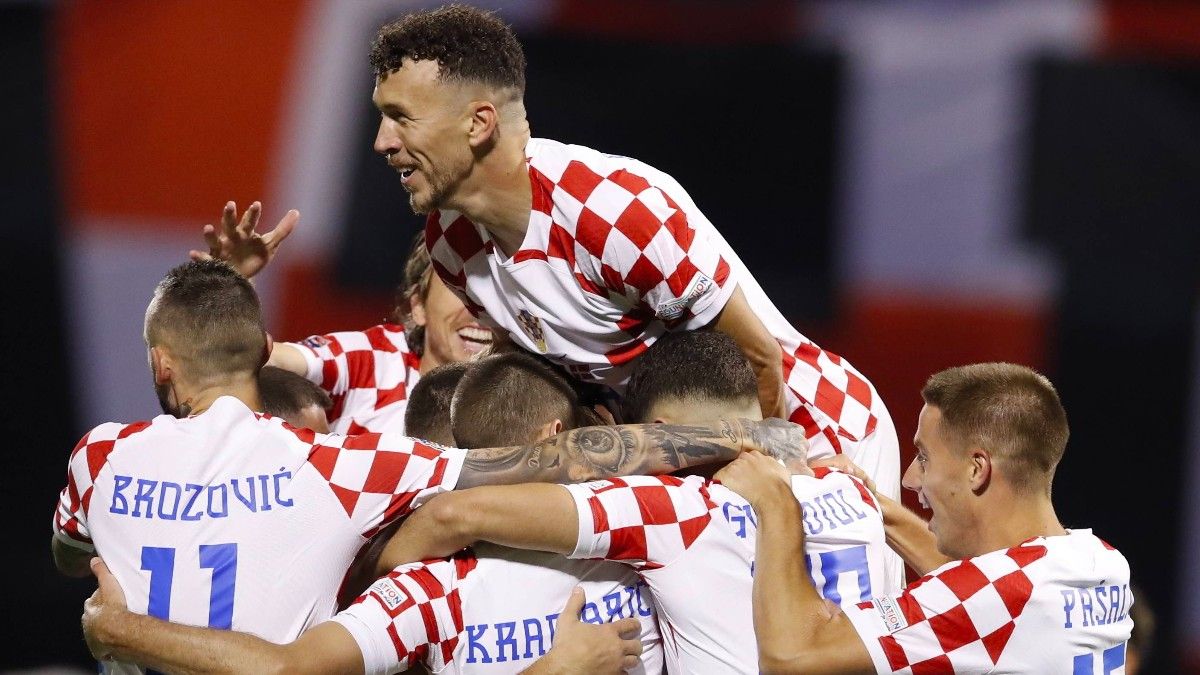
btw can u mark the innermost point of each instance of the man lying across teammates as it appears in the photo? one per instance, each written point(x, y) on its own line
point(368, 373)
point(484, 610)
point(692, 540)
point(198, 510)
point(1024, 595)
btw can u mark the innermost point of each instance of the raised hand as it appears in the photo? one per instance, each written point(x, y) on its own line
point(238, 244)
point(585, 648)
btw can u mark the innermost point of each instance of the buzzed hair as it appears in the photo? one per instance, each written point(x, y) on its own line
point(509, 397)
point(467, 43)
point(286, 394)
point(1010, 410)
point(428, 413)
point(699, 365)
point(209, 317)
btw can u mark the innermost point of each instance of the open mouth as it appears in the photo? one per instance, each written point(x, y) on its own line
point(406, 174)
point(475, 338)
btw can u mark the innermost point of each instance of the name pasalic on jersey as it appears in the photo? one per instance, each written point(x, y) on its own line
point(166, 500)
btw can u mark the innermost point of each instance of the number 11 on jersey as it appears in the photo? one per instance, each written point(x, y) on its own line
point(220, 558)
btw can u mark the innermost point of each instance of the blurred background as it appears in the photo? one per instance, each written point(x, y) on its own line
point(917, 184)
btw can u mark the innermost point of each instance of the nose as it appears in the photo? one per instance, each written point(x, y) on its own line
point(912, 476)
point(387, 140)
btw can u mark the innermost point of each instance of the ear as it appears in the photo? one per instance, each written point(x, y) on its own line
point(485, 121)
point(981, 470)
point(267, 349)
point(416, 309)
point(160, 365)
point(549, 429)
point(661, 420)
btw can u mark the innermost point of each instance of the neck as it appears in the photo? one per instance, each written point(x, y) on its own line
point(1024, 517)
point(498, 194)
point(428, 362)
point(196, 400)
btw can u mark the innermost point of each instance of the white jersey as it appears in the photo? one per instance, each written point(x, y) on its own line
point(232, 519)
point(693, 542)
point(368, 374)
point(1051, 605)
point(490, 610)
point(617, 254)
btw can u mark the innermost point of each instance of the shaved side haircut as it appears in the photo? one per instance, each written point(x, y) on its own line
point(286, 394)
point(510, 396)
point(428, 413)
point(698, 366)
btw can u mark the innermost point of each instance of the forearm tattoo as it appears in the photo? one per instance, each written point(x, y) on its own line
point(779, 439)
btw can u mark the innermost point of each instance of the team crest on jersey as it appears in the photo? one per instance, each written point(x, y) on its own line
point(388, 593)
point(674, 309)
point(890, 612)
point(315, 342)
point(533, 328)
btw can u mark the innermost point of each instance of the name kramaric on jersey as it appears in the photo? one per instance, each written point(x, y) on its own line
point(147, 498)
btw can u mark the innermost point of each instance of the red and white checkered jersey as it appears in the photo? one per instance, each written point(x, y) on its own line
point(1051, 605)
point(367, 373)
point(232, 519)
point(490, 610)
point(617, 254)
point(693, 542)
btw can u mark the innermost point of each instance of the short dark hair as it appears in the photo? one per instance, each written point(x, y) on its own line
point(467, 43)
point(428, 413)
point(699, 365)
point(506, 398)
point(418, 272)
point(208, 315)
point(1009, 410)
point(285, 394)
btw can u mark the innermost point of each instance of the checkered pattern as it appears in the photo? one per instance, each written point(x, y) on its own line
point(829, 398)
point(645, 521)
point(367, 373)
point(380, 477)
point(961, 617)
point(89, 456)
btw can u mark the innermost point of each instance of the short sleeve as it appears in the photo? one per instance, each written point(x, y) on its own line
point(87, 459)
point(644, 521)
point(957, 619)
point(412, 615)
point(381, 477)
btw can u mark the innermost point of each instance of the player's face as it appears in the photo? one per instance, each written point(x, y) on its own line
point(941, 476)
point(451, 333)
point(423, 132)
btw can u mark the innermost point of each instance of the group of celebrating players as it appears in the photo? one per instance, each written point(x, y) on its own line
point(586, 441)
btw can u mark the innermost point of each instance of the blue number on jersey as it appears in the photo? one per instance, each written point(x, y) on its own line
point(220, 558)
point(1112, 658)
point(835, 563)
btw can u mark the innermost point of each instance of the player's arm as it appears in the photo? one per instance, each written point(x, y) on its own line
point(761, 349)
point(592, 453)
point(115, 633)
point(909, 536)
point(797, 631)
point(536, 516)
point(70, 558)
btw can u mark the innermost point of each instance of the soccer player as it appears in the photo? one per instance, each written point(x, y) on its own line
point(368, 373)
point(298, 401)
point(584, 257)
point(200, 511)
point(692, 540)
point(484, 610)
point(1021, 594)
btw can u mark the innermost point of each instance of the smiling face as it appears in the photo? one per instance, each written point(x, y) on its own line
point(423, 131)
point(941, 476)
point(451, 333)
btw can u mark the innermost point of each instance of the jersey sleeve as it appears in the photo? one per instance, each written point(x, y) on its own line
point(959, 618)
point(643, 247)
point(412, 615)
point(371, 365)
point(644, 521)
point(381, 477)
point(89, 456)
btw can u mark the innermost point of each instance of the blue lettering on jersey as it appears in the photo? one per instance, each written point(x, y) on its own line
point(505, 640)
point(829, 510)
point(1098, 606)
point(168, 500)
point(738, 515)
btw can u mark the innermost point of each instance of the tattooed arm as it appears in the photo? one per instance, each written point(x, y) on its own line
point(603, 452)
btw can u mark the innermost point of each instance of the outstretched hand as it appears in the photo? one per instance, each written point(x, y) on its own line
point(237, 243)
point(105, 606)
point(585, 648)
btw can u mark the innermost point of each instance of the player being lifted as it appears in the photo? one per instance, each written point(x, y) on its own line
point(198, 510)
point(1007, 589)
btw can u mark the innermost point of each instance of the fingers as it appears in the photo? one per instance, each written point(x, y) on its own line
point(284, 228)
point(628, 629)
point(249, 220)
point(229, 220)
point(574, 606)
point(104, 578)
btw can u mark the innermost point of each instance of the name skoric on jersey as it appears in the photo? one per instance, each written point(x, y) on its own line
point(490, 610)
point(232, 519)
point(693, 542)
